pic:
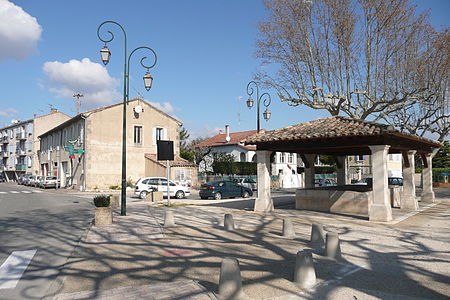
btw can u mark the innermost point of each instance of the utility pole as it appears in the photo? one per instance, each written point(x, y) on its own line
point(78, 96)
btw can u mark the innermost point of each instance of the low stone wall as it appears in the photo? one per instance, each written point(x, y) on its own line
point(335, 199)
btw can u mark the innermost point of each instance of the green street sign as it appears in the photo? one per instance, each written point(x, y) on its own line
point(79, 150)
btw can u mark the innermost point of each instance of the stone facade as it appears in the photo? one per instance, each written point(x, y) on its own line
point(20, 144)
point(99, 133)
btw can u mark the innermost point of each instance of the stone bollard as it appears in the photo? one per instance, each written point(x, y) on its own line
point(230, 281)
point(169, 219)
point(288, 228)
point(304, 273)
point(333, 249)
point(228, 222)
point(115, 201)
point(317, 234)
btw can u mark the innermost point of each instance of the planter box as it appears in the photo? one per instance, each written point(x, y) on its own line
point(154, 196)
point(103, 216)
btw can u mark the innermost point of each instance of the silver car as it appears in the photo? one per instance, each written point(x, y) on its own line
point(49, 181)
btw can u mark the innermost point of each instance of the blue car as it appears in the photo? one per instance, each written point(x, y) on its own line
point(224, 189)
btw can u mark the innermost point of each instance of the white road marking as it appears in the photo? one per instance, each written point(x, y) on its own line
point(26, 192)
point(14, 192)
point(13, 268)
point(37, 191)
point(2, 192)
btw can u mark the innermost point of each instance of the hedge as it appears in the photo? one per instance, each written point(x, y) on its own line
point(236, 168)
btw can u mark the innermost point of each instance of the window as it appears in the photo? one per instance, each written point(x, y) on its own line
point(290, 158)
point(159, 134)
point(138, 134)
point(282, 159)
point(242, 157)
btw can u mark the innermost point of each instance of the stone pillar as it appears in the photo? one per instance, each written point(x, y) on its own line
point(264, 201)
point(380, 207)
point(427, 180)
point(342, 170)
point(408, 199)
point(309, 170)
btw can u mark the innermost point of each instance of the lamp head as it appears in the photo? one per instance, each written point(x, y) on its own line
point(148, 80)
point(105, 54)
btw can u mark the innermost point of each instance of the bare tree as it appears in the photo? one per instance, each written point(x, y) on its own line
point(362, 58)
point(431, 113)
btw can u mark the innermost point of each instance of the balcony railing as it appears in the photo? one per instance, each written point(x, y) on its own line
point(21, 136)
point(5, 139)
point(21, 167)
point(4, 154)
point(20, 152)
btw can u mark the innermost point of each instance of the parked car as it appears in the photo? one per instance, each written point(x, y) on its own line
point(2, 178)
point(224, 189)
point(30, 180)
point(22, 178)
point(149, 184)
point(391, 181)
point(49, 181)
point(247, 182)
point(37, 181)
point(324, 182)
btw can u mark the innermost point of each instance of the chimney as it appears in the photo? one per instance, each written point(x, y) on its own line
point(227, 132)
point(53, 110)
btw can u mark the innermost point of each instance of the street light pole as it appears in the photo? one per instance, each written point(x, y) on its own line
point(267, 101)
point(105, 55)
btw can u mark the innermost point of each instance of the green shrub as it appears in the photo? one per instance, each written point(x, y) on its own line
point(114, 187)
point(102, 200)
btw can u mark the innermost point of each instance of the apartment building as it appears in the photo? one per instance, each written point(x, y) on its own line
point(20, 145)
point(360, 166)
point(96, 139)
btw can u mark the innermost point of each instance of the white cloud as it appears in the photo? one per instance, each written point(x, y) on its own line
point(165, 107)
point(19, 32)
point(204, 132)
point(85, 77)
point(8, 112)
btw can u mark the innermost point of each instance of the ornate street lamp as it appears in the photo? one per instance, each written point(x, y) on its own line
point(250, 92)
point(148, 79)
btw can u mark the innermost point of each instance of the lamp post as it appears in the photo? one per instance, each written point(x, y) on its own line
point(148, 79)
point(250, 101)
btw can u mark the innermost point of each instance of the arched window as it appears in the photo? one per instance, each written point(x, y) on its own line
point(242, 157)
point(254, 158)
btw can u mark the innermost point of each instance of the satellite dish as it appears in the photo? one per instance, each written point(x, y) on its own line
point(228, 138)
point(138, 109)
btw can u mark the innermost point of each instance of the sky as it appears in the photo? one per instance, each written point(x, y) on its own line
point(49, 50)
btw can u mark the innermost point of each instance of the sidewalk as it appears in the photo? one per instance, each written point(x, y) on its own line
point(136, 258)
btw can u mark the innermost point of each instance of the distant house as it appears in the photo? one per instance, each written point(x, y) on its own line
point(360, 166)
point(98, 135)
point(282, 162)
point(19, 144)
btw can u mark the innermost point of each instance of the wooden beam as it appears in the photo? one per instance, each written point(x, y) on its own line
point(406, 159)
point(424, 160)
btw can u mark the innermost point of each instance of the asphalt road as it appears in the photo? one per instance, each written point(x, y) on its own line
point(42, 220)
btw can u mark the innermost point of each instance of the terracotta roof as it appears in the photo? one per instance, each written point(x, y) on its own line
point(235, 139)
point(178, 162)
point(331, 127)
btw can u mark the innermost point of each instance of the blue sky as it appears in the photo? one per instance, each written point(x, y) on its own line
point(205, 54)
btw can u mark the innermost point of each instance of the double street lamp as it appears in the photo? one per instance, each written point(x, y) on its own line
point(148, 79)
point(252, 87)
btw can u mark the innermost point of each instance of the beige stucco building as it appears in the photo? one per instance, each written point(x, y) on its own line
point(98, 135)
point(20, 144)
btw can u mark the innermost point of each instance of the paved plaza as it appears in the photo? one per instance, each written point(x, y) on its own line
point(137, 258)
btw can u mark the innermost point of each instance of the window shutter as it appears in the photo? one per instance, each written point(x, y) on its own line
point(154, 136)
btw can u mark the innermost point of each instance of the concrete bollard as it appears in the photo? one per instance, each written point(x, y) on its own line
point(228, 222)
point(333, 249)
point(230, 281)
point(317, 234)
point(288, 228)
point(304, 273)
point(169, 219)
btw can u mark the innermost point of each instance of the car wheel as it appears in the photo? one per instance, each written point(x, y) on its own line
point(143, 194)
point(217, 196)
point(179, 195)
point(245, 194)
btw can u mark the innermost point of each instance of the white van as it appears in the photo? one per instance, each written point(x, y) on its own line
point(149, 184)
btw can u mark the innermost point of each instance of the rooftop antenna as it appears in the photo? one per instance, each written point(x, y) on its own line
point(78, 96)
point(137, 92)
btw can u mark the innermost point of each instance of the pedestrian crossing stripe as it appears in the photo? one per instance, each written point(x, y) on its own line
point(14, 192)
point(26, 192)
point(2, 192)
